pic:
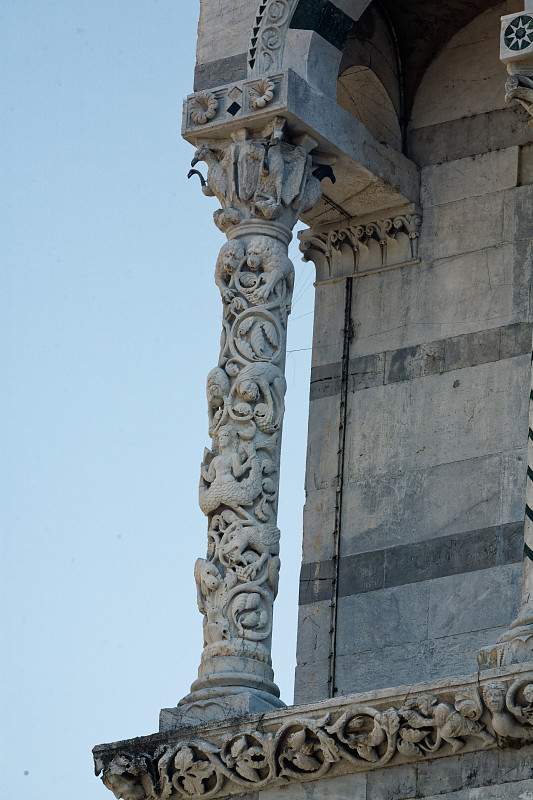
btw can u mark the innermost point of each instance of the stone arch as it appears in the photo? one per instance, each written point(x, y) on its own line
point(311, 36)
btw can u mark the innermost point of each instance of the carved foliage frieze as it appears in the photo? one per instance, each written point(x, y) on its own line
point(360, 247)
point(351, 739)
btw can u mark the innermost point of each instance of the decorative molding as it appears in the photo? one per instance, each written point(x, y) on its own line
point(336, 737)
point(267, 41)
point(235, 101)
point(360, 247)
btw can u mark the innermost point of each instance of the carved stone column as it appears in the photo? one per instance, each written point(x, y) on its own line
point(516, 644)
point(263, 182)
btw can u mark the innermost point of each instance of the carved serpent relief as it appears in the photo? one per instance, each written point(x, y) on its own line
point(359, 738)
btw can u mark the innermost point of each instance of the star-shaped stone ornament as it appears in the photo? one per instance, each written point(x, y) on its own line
point(518, 35)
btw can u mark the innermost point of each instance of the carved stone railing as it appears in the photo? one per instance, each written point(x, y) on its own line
point(358, 733)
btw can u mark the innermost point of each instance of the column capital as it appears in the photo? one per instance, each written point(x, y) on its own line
point(264, 179)
point(369, 176)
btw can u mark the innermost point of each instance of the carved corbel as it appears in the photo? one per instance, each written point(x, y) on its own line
point(360, 246)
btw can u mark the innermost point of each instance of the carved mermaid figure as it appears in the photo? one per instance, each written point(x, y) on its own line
point(234, 476)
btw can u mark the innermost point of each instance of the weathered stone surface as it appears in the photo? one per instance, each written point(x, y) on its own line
point(466, 293)
point(451, 413)
point(328, 324)
point(422, 504)
point(314, 631)
point(471, 52)
point(384, 618)
point(319, 525)
point(458, 554)
point(448, 229)
point(392, 784)
point(323, 436)
point(345, 787)
point(406, 363)
point(470, 177)
point(216, 73)
point(427, 659)
point(469, 136)
point(459, 603)
point(224, 29)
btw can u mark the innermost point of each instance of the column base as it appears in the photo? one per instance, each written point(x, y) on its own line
point(515, 645)
point(210, 705)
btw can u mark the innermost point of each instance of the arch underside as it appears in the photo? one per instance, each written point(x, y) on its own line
point(421, 28)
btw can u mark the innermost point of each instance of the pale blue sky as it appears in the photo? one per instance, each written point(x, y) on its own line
point(110, 324)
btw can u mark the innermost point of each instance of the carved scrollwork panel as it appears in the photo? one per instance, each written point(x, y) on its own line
point(352, 738)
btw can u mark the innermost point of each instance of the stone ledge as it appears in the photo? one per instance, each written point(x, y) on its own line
point(357, 733)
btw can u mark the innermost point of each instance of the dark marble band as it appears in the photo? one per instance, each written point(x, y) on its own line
point(443, 355)
point(220, 72)
point(411, 563)
point(325, 19)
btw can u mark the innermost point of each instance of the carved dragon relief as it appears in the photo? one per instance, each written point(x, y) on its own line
point(353, 739)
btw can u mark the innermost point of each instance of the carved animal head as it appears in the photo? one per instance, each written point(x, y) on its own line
point(231, 257)
point(257, 252)
point(207, 577)
point(218, 387)
point(494, 697)
point(528, 693)
point(203, 153)
point(248, 390)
